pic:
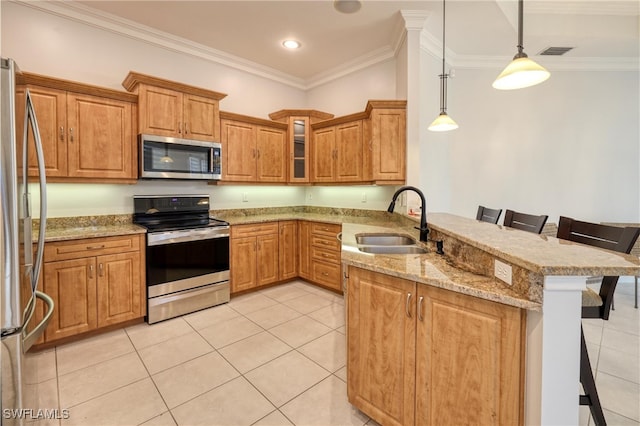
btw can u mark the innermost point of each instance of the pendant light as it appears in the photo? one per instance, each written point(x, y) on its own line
point(521, 72)
point(443, 122)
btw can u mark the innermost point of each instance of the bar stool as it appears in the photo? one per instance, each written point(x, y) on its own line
point(596, 305)
point(524, 221)
point(486, 214)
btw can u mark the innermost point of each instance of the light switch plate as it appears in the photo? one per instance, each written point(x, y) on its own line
point(503, 271)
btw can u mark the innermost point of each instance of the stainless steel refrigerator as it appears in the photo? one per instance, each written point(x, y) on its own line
point(20, 267)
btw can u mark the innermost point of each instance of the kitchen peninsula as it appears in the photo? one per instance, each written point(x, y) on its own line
point(442, 338)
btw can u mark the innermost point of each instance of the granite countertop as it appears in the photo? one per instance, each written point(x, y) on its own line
point(428, 268)
point(62, 234)
point(537, 253)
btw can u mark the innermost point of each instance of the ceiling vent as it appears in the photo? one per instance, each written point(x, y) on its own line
point(555, 51)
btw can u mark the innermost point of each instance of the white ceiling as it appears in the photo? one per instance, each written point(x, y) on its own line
point(477, 30)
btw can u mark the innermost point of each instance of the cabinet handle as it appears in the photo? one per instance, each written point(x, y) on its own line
point(420, 300)
point(101, 246)
point(100, 270)
point(407, 305)
point(339, 236)
point(370, 144)
point(254, 153)
point(258, 151)
point(179, 127)
point(90, 271)
point(186, 128)
point(71, 134)
point(62, 133)
point(326, 274)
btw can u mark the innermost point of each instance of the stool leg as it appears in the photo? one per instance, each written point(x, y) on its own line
point(589, 384)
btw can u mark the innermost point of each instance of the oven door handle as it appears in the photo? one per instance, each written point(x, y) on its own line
point(172, 237)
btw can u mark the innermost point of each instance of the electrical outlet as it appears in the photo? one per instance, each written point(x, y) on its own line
point(245, 198)
point(309, 196)
point(364, 197)
point(503, 271)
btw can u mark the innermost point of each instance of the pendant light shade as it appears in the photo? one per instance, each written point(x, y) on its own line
point(443, 122)
point(521, 72)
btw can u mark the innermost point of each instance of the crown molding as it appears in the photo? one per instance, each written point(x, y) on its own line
point(130, 29)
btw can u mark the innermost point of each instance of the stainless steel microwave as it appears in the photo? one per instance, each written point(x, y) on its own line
point(172, 158)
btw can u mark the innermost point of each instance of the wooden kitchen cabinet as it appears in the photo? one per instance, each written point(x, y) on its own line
point(87, 132)
point(94, 283)
point(338, 153)
point(299, 140)
point(324, 253)
point(288, 250)
point(254, 255)
point(387, 141)
point(304, 249)
point(253, 150)
point(168, 108)
point(419, 355)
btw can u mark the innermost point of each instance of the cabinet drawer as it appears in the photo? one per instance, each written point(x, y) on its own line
point(328, 229)
point(321, 254)
point(76, 249)
point(327, 274)
point(325, 242)
point(240, 231)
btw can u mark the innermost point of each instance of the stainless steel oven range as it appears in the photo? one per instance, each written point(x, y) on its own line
point(187, 255)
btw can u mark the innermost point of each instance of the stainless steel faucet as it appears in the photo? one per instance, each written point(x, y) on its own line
point(424, 231)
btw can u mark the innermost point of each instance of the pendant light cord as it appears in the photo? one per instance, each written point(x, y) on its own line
point(520, 53)
point(443, 76)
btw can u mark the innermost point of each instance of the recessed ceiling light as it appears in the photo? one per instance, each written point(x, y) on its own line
point(291, 44)
point(347, 6)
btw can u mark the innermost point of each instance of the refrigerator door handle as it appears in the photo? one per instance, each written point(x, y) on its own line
point(29, 339)
point(30, 116)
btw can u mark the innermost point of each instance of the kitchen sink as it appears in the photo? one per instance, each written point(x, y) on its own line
point(384, 240)
point(388, 243)
point(407, 249)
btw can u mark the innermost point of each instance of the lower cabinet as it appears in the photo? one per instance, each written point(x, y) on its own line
point(420, 355)
point(319, 253)
point(287, 250)
point(94, 283)
point(254, 255)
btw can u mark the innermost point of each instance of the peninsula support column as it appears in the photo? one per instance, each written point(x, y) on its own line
point(553, 354)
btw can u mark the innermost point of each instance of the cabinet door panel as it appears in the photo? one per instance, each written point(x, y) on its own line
point(323, 155)
point(388, 144)
point(271, 148)
point(160, 111)
point(119, 288)
point(349, 152)
point(480, 384)
point(304, 253)
point(381, 346)
point(238, 151)
point(200, 118)
point(72, 286)
point(287, 250)
point(100, 137)
point(50, 106)
point(267, 261)
point(243, 263)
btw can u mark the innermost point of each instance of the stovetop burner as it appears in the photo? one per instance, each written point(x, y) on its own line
point(171, 212)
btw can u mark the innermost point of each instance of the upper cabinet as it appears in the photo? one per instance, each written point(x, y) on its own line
point(168, 108)
point(87, 132)
point(364, 147)
point(253, 149)
point(299, 139)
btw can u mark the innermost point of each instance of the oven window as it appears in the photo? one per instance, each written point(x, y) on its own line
point(171, 157)
point(172, 262)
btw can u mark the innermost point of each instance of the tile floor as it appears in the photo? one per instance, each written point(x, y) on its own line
point(274, 357)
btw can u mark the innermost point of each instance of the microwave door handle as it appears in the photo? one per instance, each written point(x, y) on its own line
point(211, 160)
